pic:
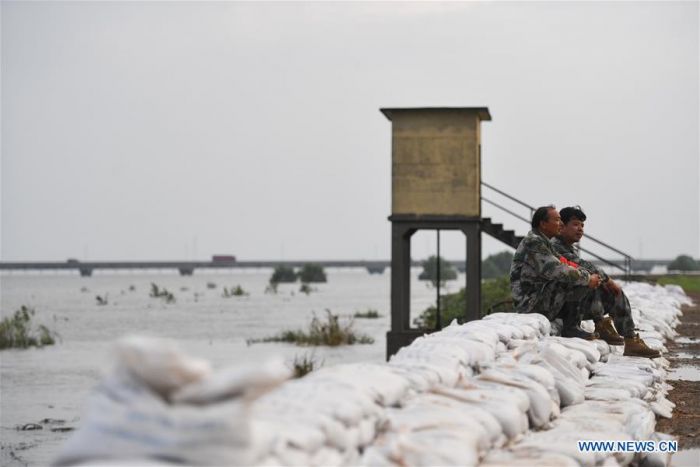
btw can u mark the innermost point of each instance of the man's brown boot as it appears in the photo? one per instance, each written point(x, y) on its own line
point(607, 332)
point(635, 347)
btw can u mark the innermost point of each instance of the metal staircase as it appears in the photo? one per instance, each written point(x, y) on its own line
point(499, 233)
point(511, 239)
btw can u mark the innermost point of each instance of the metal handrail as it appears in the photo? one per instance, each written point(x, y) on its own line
point(504, 209)
point(628, 258)
point(531, 208)
point(606, 261)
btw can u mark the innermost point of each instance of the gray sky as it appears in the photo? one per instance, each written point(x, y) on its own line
point(180, 130)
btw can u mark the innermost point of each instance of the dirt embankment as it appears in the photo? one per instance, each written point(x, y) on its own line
point(685, 424)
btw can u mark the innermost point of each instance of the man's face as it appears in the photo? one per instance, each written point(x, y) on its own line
point(552, 226)
point(572, 231)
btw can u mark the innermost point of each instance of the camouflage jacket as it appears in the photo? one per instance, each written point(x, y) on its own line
point(537, 276)
point(572, 254)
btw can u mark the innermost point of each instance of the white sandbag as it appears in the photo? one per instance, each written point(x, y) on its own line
point(424, 448)
point(562, 363)
point(126, 419)
point(635, 389)
point(159, 363)
point(476, 353)
point(484, 418)
point(536, 321)
point(540, 408)
point(423, 417)
point(383, 385)
point(248, 381)
point(587, 348)
point(449, 361)
point(527, 457)
point(564, 441)
point(474, 330)
point(658, 459)
point(662, 406)
point(501, 404)
point(606, 394)
point(420, 378)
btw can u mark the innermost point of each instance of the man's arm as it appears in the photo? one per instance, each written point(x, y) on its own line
point(570, 254)
point(593, 269)
point(548, 266)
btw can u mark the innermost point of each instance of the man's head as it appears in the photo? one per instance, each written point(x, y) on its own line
point(573, 218)
point(547, 221)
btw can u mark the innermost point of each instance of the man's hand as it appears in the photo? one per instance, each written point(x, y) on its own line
point(611, 286)
point(594, 281)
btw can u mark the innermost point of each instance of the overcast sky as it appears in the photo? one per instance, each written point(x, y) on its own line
point(181, 130)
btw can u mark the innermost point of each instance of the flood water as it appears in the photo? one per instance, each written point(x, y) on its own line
point(53, 382)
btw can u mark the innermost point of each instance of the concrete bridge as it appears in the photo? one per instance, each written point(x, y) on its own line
point(187, 268)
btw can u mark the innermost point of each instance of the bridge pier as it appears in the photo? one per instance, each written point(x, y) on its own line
point(186, 271)
point(85, 272)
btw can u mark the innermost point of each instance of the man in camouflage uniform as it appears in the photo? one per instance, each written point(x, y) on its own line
point(541, 283)
point(610, 295)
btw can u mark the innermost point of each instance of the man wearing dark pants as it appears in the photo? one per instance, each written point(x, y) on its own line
point(610, 296)
point(541, 283)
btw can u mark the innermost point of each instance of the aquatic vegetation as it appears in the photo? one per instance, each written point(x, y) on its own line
point(312, 272)
point(283, 274)
point(102, 301)
point(271, 288)
point(304, 365)
point(321, 332)
point(16, 331)
point(369, 314)
point(163, 293)
point(236, 291)
point(211, 285)
point(132, 288)
point(306, 288)
point(452, 306)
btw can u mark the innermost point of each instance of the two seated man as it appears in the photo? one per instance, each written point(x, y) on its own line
point(549, 277)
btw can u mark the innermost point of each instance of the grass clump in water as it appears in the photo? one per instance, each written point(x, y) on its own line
point(283, 274)
point(236, 291)
point(369, 314)
point(304, 365)
point(157, 292)
point(16, 331)
point(321, 332)
point(312, 272)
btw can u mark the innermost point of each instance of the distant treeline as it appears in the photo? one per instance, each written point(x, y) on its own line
point(497, 265)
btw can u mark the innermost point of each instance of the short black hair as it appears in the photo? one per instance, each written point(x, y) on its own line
point(541, 215)
point(572, 212)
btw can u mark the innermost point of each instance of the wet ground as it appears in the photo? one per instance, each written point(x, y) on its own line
point(684, 354)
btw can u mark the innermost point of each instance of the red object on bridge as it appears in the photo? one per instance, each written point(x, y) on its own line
point(223, 259)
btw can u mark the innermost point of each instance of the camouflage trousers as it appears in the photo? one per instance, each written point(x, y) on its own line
point(593, 304)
